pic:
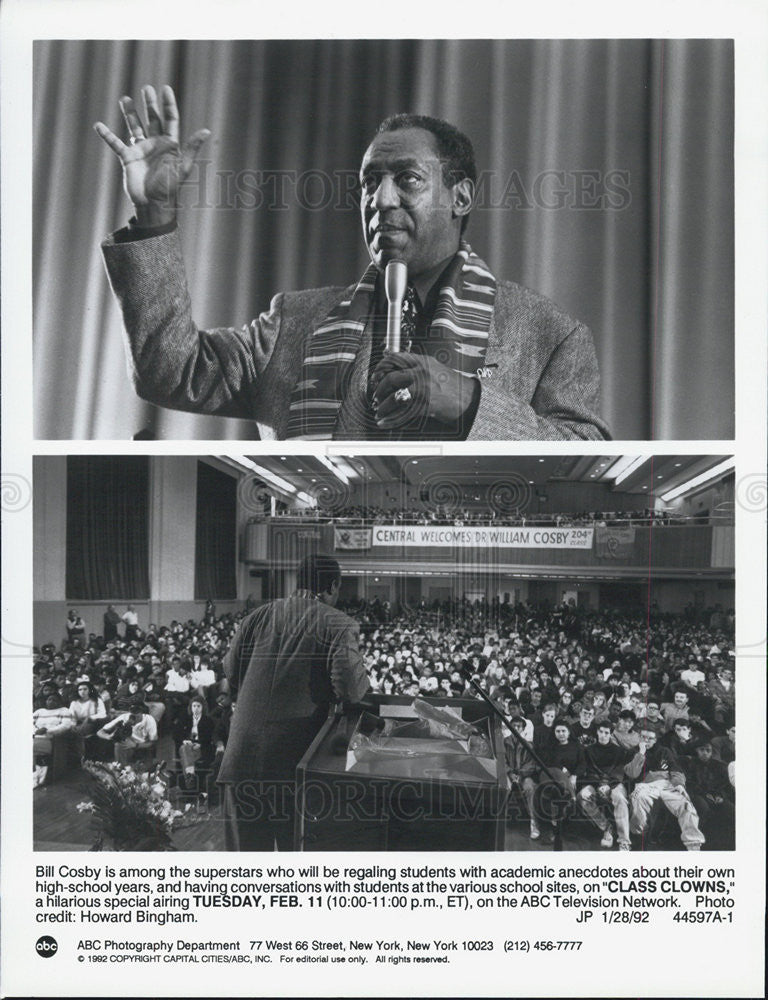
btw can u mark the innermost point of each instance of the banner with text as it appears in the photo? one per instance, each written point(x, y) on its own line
point(468, 537)
point(352, 538)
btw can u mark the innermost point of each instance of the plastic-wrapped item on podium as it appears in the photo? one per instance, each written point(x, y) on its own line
point(423, 775)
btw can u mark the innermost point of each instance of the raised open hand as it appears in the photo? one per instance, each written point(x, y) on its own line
point(154, 164)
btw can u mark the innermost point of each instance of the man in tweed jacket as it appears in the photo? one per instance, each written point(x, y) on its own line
point(535, 377)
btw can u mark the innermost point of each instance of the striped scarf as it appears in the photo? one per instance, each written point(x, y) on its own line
point(458, 337)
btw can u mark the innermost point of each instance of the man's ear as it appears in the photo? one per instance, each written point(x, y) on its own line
point(463, 197)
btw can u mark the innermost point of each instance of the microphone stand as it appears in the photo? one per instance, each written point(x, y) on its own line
point(507, 720)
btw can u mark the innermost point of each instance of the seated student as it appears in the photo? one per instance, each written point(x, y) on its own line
point(130, 690)
point(699, 728)
point(522, 771)
point(202, 678)
point(105, 695)
point(565, 709)
point(602, 786)
point(47, 688)
point(724, 747)
point(153, 694)
point(41, 674)
point(653, 718)
point(564, 758)
point(177, 689)
point(132, 730)
point(600, 708)
point(658, 775)
point(637, 704)
point(221, 716)
point(88, 713)
point(712, 795)
point(723, 693)
point(624, 733)
point(693, 674)
point(531, 703)
point(584, 731)
point(676, 709)
point(702, 704)
point(54, 721)
point(679, 738)
point(193, 736)
point(516, 710)
point(544, 733)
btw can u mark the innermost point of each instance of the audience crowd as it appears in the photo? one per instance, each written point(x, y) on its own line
point(454, 514)
point(631, 716)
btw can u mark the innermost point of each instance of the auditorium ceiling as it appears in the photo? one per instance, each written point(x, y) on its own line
point(644, 475)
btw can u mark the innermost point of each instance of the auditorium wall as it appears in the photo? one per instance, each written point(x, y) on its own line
point(511, 589)
point(674, 595)
point(670, 595)
point(173, 489)
point(715, 501)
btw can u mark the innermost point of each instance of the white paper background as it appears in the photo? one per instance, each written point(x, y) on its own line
point(685, 961)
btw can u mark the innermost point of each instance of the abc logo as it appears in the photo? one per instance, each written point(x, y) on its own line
point(46, 946)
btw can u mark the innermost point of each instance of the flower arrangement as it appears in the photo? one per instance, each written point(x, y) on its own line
point(131, 811)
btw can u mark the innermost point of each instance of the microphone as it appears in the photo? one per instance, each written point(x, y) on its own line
point(395, 282)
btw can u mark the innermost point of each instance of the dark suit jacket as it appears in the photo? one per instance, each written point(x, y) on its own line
point(290, 660)
point(545, 385)
point(182, 730)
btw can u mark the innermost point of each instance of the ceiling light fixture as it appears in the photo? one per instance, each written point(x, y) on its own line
point(704, 477)
point(626, 466)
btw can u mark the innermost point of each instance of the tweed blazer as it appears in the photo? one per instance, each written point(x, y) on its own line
point(542, 380)
point(289, 661)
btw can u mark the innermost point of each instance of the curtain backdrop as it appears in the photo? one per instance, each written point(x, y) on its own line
point(607, 185)
point(215, 535)
point(107, 528)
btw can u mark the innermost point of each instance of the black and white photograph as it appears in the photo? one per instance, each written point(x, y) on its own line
point(546, 252)
point(383, 499)
point(385, 653)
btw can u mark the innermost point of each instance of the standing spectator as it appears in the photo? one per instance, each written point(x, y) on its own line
point(75, 627)
point(131, 621)
point(111, 621)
